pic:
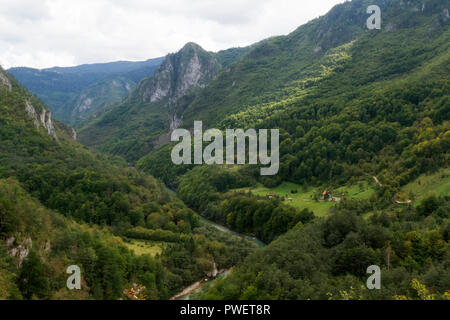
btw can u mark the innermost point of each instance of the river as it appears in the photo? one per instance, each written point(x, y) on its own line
point(241, 235)
point(187, 292)
point(225, 229)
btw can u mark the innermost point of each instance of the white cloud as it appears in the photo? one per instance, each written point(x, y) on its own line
point(24, 9)
point(45, 33)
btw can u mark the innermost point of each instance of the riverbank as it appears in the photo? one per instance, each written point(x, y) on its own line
point(197, 286)
point(185, 294)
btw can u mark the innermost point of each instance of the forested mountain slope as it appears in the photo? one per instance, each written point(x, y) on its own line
point(285, 67)
point(378, 104)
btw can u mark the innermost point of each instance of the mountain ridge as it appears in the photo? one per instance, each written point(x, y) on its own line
point(73, 93)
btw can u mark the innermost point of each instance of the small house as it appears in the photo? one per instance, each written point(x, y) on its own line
point(326, 195)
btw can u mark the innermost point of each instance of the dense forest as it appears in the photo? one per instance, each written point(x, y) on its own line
point(327, 258)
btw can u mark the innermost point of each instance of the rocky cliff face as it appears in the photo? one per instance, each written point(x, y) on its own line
point(4, 81)
point(189, 69)
point(100, 95)
point(43, 118)
point(19, 248)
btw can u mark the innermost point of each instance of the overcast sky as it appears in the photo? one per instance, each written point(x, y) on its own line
point(47, 33)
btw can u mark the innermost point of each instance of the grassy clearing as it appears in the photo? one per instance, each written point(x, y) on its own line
point(360, 191)
point(305, 198)
point(434, 184)
point(145, 247)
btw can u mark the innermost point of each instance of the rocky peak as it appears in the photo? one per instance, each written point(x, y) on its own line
point(188, 69)
point(191, 46)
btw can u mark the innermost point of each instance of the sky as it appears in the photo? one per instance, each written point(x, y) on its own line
point(47, 33)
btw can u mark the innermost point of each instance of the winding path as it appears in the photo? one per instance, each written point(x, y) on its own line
point(377, 181)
